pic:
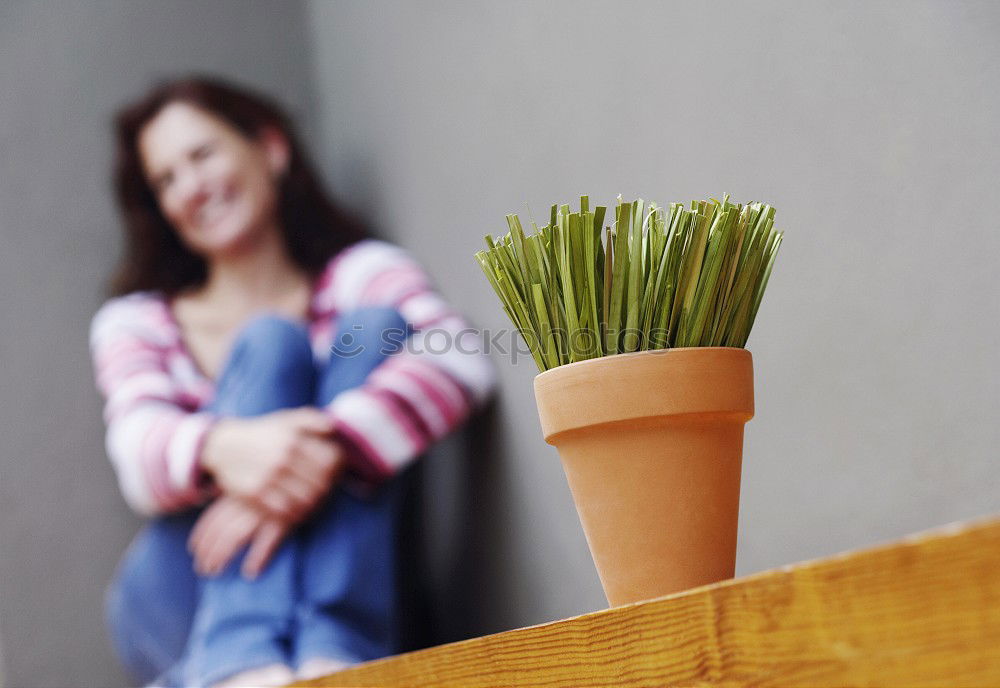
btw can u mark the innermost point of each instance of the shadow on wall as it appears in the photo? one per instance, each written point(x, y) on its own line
point(447, 534)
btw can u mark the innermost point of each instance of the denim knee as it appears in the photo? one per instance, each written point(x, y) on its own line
point(271, 366)
point(370, 329)
point(267, 334)
point(375, 315)
point(272, 347)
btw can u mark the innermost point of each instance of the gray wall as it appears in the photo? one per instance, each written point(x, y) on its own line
point(64, 67)
point(872, 127)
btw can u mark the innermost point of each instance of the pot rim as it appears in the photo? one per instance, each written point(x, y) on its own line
point(695, 383)
point(648, 352)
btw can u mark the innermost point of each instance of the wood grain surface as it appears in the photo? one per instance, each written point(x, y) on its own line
point(924, 611)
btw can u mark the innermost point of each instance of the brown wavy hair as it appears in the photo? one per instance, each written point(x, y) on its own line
point(315, 228)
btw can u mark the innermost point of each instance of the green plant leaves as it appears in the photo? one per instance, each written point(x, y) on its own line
point(656, 278)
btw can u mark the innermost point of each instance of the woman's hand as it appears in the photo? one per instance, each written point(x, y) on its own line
point(225, 527)
point(284, 462)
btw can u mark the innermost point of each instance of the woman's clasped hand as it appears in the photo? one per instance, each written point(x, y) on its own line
point(273, 470)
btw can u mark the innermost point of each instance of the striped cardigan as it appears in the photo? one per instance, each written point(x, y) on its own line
point(154, 389)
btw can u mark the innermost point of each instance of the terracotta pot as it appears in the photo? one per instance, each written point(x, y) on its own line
point(652, 445)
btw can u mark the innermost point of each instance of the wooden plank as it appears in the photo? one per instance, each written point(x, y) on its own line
point(924, 611)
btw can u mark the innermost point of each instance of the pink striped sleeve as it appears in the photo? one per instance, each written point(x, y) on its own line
point(419, 395)
point(153, 439)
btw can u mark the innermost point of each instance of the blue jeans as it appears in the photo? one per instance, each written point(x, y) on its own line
point(329, 591)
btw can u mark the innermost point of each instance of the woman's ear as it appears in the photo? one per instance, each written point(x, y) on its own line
point(276, 149)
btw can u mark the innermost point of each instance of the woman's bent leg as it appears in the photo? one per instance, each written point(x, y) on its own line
point(349, 606)
point(348, 609)
point(151, 601)
point(242, 624)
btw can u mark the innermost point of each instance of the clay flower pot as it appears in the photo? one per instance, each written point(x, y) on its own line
point(652, 445)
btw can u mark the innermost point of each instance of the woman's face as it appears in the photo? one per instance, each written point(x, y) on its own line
point(217, 187)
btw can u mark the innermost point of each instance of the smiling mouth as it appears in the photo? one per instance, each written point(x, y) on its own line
point(214, 209)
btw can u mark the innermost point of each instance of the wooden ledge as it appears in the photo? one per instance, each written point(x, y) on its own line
point(924, 611)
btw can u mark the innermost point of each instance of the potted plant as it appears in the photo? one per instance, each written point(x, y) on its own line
point(638, 330)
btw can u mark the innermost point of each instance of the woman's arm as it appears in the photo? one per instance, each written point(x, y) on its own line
point(419, 395)
point(154, 438)
point(169, 457)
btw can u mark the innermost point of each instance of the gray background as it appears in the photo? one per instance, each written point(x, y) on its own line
point(870, 126)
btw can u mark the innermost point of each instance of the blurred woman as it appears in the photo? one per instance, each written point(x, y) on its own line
point(265, 380)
